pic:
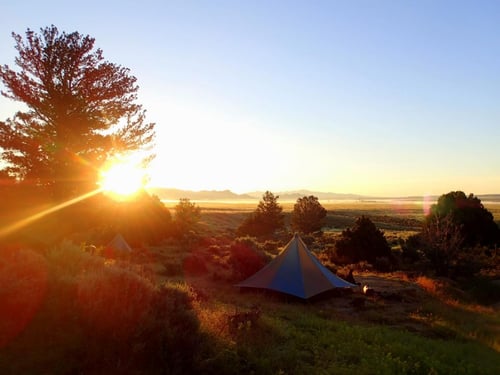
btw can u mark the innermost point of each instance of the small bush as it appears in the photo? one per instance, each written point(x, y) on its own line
point(69, 260)
point(364, 242)
point(245, 258)
point(112, 300)
point(169, 335)
point(195, 264)
point(410, 248)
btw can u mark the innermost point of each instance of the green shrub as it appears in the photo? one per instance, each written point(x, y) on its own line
point(364, 242)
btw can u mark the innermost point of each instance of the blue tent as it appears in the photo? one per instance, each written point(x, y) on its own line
point(295, 271)
point(118, 245)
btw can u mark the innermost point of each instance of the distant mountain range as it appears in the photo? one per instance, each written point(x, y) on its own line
point(176, 194)
point(293, 195)
point(208, 195)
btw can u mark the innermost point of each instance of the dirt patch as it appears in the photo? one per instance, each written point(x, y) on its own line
point(393, 301)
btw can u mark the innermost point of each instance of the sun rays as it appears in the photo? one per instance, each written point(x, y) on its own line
point(122, 178)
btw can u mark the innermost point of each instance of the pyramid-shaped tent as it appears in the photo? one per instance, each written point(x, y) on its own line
point(118, 244)
point(295, 271)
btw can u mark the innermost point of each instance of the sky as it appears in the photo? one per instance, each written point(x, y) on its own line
point(380, 98)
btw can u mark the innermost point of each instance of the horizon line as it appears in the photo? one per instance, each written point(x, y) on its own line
point(298, 191)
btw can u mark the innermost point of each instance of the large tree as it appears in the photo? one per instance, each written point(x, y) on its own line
point(456, 235)
point(81, 109)
point(474, 221)
point(266, 219)
point(187, 217)
point(308, 215)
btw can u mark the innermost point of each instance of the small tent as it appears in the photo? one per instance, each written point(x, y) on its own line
point(118, 245)
point(295, 271)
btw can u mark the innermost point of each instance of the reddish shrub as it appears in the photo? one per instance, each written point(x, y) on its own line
point(245, 260)
point(195, 264)
point(112, 300)
point(23, 285)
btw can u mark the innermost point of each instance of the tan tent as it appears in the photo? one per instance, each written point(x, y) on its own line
point(295, 271)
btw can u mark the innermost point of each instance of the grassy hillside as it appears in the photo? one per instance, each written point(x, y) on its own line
point(171, 310)
point(90, 310)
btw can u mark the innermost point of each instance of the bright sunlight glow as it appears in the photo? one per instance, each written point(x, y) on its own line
point(122, 178)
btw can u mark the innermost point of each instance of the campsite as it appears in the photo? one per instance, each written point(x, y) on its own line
point(249, 187)
point(411, 323)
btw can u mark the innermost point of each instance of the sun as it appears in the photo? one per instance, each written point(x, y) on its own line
point(122, 178)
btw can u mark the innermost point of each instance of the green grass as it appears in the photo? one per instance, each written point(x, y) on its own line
point(299, 338)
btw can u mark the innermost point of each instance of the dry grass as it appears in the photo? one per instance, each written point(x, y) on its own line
point(430, 285)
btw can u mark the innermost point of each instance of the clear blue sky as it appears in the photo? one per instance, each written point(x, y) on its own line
point(371, 97)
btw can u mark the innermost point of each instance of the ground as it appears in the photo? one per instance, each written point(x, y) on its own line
point(409, 323)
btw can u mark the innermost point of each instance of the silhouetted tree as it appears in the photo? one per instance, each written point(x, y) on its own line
point(266, 219)
point(308, 215)
point(81, 109)
point(456, 233)
point(475, 222)
point(187, 216)
point(364, 242)
point(143, 219)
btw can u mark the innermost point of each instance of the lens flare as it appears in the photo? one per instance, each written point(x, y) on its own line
point(122, 178)
point(427, 202)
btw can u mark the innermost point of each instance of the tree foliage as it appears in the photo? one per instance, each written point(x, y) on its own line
point(144, 219)
point(475, 222)
point(81, 109)
point(456, 233)
point(187, 216)
point(364, 242)
point(308, 215)
point(266, 219)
